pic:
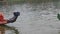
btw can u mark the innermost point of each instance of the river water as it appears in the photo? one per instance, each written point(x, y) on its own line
point(34, 18)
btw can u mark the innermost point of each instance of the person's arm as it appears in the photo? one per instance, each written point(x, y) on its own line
point(14, 18)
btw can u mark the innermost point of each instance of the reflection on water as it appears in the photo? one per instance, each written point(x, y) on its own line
point(4, 28)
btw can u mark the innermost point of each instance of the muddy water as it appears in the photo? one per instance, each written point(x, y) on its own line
point(34, 18)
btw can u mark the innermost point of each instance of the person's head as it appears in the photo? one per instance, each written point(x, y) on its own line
point(16, 14)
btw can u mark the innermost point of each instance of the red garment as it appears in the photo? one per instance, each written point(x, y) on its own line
point(2, 20)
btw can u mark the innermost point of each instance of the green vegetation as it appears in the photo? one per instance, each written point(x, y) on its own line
point(58, 16)
point(15, 1)
point(31, 1)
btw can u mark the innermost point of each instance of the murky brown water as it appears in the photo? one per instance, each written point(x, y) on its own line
point(5, 29)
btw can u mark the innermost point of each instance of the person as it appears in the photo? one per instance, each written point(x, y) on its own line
point(11, 20)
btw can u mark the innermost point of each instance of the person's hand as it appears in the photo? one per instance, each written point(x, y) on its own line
point(16, 13)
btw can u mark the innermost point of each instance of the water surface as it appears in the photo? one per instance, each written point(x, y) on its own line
point(35, 18)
